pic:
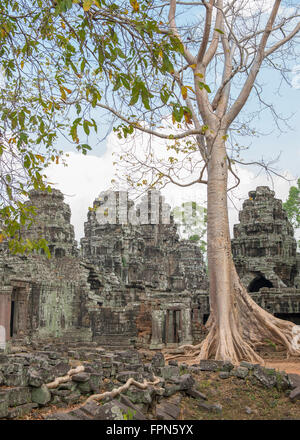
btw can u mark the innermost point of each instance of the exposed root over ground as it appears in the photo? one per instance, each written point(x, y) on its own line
point(247, 327)
point(117, 391)
point(108, 394)
point(63, 379)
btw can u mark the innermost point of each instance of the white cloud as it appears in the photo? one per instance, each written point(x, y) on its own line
point(81, 182)
point(86, 176)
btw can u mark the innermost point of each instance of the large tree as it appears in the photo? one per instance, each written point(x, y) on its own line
point(223, 45)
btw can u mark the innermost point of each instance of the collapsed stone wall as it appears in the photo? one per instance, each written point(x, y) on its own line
point(41, 297)
point(24, 376)
point(156, 274)
point(134, 282)
point(112, 292)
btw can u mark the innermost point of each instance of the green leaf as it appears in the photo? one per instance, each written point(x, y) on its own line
point(27, 161)
point(86, 127)
point(167, 66)
point(202, 86)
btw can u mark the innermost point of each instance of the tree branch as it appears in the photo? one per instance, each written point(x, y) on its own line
point(172, 24)
point(283, 41)
point(245, 92)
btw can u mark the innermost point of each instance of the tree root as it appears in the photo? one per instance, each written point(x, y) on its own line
point(117, 391)
point(246, 327)
point(108, 394)
point(63, 379)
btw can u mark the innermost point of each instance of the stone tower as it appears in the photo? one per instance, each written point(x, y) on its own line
point(264, 247)
point(140, 243)
point(52, 222)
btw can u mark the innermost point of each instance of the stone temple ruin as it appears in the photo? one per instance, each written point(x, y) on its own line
point(134, 283)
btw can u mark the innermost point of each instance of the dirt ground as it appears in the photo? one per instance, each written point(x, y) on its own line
point(272, 356)
point(239, 400)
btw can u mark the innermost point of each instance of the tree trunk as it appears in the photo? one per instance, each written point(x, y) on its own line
point(237, 325)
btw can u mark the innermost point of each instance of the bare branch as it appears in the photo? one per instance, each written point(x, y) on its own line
point(173, 28)
point(283, 41)
point(245, 92)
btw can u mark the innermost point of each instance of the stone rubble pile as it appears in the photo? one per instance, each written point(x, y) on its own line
point(24, 375)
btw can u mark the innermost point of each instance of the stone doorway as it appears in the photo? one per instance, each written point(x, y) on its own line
point(12, 319)
point(259, 282)
point(293, 317)
point(205, 318)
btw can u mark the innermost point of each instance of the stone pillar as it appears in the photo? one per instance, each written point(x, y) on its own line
point(186, 326)
point(5, 310)
point(158, 317)
point(177, 327)
point(2, 337)
point(170, 327)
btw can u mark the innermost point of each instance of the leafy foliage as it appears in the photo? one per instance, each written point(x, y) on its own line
point(191, 219)
point(58, 61)
point(292, 205)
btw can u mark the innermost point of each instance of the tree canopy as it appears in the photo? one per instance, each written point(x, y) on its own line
point(57, 60)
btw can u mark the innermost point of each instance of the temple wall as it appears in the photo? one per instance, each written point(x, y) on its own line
point(137, 284)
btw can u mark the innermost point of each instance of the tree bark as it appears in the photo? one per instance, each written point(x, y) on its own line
point(237, 325)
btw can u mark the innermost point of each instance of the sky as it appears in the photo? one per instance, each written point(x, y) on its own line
point(86, 176)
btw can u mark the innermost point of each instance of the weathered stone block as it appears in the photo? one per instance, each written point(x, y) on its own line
point(167, 411)
point(35, 379)
point(265, 376)
point(125, 375)
point(158, 360)
point(240, 372)
point(282, 381)
point(61, 368)
point(171, 389)
point(81, 377)
point(247, 365)
point(210, 365)
point(19, 396)
point(227, 366)
point(195, 394)
point(137, 395)
point(3, 404)
point(186, 382)
point(95, 382)
point(295, 394)
point(84, 387)
point(72, 398)
point(115, 410)
point(60, 393)
point(167, 372)
point(16, 379)
point(21, 410)
point(294, 380)
point(66, 386)
point(41, 395)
